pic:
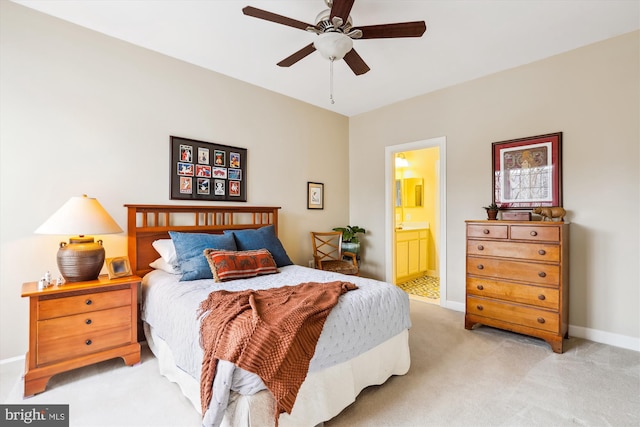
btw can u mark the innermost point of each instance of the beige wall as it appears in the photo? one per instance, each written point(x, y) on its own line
point(85, 113)
point(591, 95)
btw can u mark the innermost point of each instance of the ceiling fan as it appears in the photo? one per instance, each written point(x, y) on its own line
point(336, 32)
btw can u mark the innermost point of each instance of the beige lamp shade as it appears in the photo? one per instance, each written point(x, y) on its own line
point(81, 259)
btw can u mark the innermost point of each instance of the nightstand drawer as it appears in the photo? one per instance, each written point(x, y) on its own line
point(61, 327)
point(529, 251)
point(514, 313)
point(536, 273)
point(57, 307)
point(79, 345)
point(525, 294)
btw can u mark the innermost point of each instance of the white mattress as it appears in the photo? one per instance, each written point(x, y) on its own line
point(363, 320)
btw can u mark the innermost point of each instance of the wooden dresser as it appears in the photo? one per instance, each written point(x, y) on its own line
point(78, 324)
point(518, 278)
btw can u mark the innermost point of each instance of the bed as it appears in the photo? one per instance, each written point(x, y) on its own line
point(364, 340)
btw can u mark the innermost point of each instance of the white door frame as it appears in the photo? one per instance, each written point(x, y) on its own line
point(390, 153)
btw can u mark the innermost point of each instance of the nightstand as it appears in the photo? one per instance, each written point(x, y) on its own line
point(79, 324)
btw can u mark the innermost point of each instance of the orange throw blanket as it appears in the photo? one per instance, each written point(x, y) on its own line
point(272, 333)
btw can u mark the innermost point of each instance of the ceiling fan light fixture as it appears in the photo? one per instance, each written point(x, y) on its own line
point(333, 45)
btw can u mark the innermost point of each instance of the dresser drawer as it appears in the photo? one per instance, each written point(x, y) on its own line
point(85, 323)
point(79, 345)
point(538, 273)
point(514, 313)
point(537, 233)
point(83, 303)
point(534, 251)
point(488, 231)
point(548, 298)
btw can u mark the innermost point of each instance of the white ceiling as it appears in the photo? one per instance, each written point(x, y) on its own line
point(465, 39)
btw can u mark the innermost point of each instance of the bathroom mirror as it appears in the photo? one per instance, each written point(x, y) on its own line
point(413, 193)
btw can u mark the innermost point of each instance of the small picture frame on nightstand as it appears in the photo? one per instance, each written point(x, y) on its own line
point(118, 267)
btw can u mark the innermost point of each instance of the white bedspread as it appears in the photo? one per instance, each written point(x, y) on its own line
point(361, 320)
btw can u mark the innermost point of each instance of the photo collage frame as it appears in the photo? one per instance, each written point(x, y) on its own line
point(207, 171)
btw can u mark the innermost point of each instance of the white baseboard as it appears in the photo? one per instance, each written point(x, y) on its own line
point(595, 335)
point(12, 359)
point(603, 337)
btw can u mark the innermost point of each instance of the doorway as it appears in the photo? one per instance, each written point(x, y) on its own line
point(415, 218)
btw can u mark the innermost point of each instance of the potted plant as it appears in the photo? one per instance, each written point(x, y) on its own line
point(350, 242)
point(492, 211)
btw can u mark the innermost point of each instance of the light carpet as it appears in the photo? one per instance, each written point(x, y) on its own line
point(484, 377)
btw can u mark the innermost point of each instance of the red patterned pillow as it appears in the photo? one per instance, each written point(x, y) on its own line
point(229, 265)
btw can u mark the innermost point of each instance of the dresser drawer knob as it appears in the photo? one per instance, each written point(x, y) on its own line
point(88, 302)
point(485, 231)
point(480, 287)
point(88, 342)
point(480, 248)
point(479, 307)
point(480, 267)
point(542, 252)
point(542, 274)
point(540, 320)
point(88, 321)
point(542, 297)
point(534, 233)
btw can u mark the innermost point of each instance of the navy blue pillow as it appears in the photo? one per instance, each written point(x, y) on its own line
point(262, 238)
point(190, 247)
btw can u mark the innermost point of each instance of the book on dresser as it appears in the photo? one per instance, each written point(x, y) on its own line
point(517, 278)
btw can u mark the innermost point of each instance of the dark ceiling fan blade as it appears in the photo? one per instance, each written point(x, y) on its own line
point(387, 31)
point(341, 8)
point(355, 62)
point(297, 56)
point(273, 17)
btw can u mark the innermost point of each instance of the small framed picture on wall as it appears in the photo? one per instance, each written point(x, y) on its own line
point(315, 195)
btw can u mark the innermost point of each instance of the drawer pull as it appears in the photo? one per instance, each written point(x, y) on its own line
point(480, 267)
point(89, 342)
point(480, 248)
point(542, 274)
point(542, 252)
point(88, 302)
point(534, 233)
point(480, 287)
point(485, 231)
point(479, 307)
point(88, 321)
point(540, 320)
point(542, 297)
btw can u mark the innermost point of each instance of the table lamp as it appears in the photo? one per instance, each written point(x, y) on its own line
point(81, 259)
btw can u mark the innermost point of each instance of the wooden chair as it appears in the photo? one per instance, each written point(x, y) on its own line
point(328, 255)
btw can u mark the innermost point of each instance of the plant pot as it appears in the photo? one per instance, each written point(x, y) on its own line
point(351, 247)
point(492, 214)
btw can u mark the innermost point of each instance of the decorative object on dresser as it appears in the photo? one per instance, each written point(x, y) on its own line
point(551, 213)
point(527, 172)
point(516, 216)
point(207, 171)
point(518, 278)
point(81, 259)
point(79, 324)
point(492, 211)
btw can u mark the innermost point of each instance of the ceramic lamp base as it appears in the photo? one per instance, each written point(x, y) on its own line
point(81, 259)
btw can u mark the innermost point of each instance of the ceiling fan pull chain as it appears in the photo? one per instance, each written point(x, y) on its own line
point(331, 81)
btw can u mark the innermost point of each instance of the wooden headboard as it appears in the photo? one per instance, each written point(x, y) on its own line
point(146, 223)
